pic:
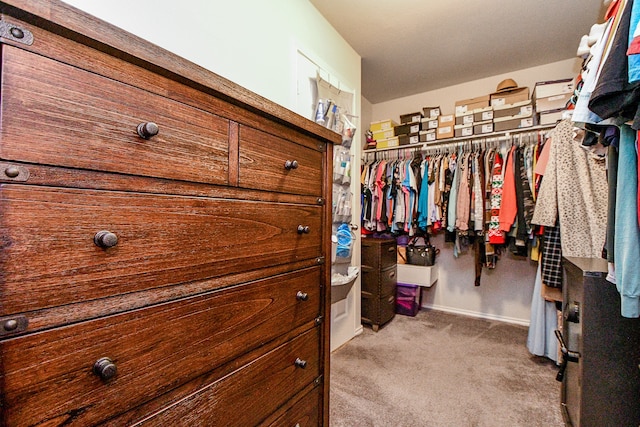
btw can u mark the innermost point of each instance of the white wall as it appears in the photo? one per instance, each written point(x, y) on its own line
point(505, 293)
point(255, 44)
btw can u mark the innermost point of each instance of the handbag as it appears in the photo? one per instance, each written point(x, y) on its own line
point(421, 254)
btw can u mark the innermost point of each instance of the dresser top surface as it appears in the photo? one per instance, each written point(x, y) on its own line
point(58, 17)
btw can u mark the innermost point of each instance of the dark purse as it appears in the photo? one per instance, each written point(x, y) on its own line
point(421, 254)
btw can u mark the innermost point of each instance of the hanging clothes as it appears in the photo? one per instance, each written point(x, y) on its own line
point(627, 232)
point(508, 207)
point(496, 236)
point(574, 189)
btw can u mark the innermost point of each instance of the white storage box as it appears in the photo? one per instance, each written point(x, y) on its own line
point(417, 275)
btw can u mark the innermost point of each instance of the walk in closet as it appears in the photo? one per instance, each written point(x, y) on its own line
point(202, 202)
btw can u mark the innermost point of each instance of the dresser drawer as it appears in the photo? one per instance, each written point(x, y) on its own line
point(378, 310)
point(49, 375)
point(379, 253)
point(56, 114)
point(379, 282)
point(304, 413)
point(48, 254)
point(262, 164)
point(252, 393)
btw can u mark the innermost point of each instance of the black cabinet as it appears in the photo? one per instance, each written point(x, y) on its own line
point(601, 383)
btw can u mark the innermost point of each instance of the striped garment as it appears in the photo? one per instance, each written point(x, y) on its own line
point(496, 237)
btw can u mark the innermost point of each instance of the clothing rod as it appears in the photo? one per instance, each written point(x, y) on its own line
point(472, 139)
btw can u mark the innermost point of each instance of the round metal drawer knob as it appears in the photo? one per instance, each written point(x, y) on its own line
point(291, 164)
point(302, 296)
point(17, 32)
point(105, 239)
point(147, 130)
point(105, 368)
point(10, 325)
point(300, 363)
point(303, 229)
point(12, 171)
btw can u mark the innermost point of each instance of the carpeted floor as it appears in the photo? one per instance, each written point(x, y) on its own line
point(441, 369)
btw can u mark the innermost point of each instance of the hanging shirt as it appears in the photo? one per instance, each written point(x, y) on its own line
point(464, 195)
point(423, 207)
point(574, 189)
point(453, 195)
point(508, 207)
point(496, 236)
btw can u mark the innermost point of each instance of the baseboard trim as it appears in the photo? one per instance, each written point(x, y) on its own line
point(477, 314)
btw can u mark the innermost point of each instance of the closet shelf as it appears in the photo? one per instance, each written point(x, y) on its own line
point(447, 141)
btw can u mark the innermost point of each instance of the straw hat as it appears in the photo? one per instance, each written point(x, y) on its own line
point(505, 85)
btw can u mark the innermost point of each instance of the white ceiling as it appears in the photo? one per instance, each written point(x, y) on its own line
point(413, 46)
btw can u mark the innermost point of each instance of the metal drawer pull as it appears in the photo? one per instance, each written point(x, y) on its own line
point(392, 274)
point(392, 249)
point(567, 356)
point(105, 368)
point(291, 164)
point(302, 296)
point(105, 239)
point(147, 130)
point(300, 363)
point(573, 312)
point(303, 229)
point(12, 171)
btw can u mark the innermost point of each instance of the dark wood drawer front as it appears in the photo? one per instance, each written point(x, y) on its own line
point(379, 253)
point(56, 114)
point(252, 393)
point(48, 256)
point(48, 376)
point(304, 413)
point(379, 282)
point(378, 310)
point(262, 164)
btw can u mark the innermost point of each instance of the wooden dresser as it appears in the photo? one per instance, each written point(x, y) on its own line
point(379, 279)
point(163, 236)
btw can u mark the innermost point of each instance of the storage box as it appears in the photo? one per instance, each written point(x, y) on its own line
point(413, 138)
point(408, 299)
point(388, 143)
point(509, 97)
point(384, 134)
point(482, 114)
point(411, 117)
point(382, 125)
point(431, 112)
point(430, 123)
point(464, 119)
point(468, 105)
point(483, 127)
point(417, 274)
point(508, 123)
point(445, 132)
point(552, 87)
point(428, 135)
point(550, 117)
point(446, 120)
point(408, 128)
point(551, 103)
point(460, 131)
point(523, 109)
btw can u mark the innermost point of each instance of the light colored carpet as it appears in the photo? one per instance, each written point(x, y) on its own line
point(440, 369)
